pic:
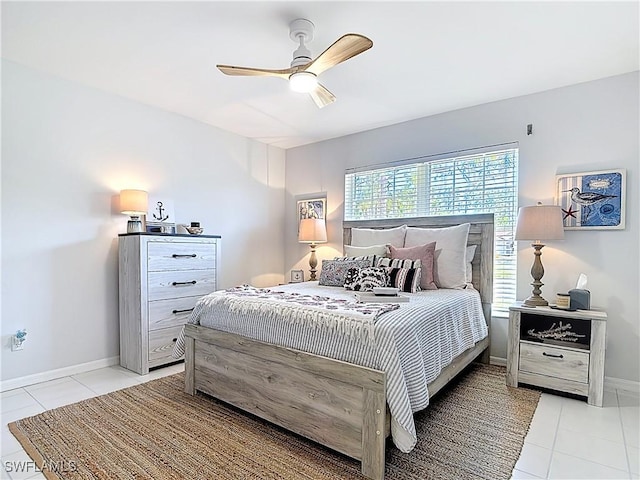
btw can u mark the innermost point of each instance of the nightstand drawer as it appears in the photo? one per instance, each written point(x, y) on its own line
point(171, 312)
point(178, 284)
point(163, 256)
point(161, 343)
point(554, 362)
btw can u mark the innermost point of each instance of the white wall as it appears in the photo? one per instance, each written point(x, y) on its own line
point(590, 126)
point(67, 151)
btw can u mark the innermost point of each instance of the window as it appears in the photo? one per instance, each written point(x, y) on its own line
point(477, 182)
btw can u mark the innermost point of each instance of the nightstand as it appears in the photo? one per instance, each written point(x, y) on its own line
point(557, 349)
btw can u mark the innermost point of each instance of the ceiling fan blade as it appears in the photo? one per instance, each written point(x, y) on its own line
point(254, 72)
point(342, 49)
point(322, 96)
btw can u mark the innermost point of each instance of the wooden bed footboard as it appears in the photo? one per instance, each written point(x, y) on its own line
point(337, 404)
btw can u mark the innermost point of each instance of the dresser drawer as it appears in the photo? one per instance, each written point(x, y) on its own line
point(163, 256)
point(554, 362)
point(177, 284)
point(161, 344)
point(171, 312)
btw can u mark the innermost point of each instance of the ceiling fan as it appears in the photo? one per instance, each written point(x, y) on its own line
point(303, 72)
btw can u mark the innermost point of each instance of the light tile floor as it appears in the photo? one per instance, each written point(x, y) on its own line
point(568, 439)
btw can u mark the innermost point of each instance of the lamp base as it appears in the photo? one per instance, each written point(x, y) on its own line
point(313, 262)
point(134, 225)
point(537, 271)
point(535, 301)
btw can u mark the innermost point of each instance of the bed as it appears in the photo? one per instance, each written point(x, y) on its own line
point(340, 404)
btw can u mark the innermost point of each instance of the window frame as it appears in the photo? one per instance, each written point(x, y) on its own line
point(392, 177)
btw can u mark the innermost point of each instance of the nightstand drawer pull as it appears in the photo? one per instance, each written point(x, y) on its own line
point(177, 255)
point(551, 355)
point(192, 282)
point(183, 311)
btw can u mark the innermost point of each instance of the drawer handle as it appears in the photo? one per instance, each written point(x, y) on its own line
point(190, 255)
point(183, 311)
point(192, 282)
point(175, 339)
point(551, 355)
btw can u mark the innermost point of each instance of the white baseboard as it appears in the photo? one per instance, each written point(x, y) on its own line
point(498, 361)
point(613, 383)
point(58, 373)
point(610, 383)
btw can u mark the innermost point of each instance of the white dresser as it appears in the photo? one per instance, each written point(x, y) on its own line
point(161, 278)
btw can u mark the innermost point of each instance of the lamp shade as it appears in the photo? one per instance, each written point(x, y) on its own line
point(134, 202)
point(540, 222)
point(312, 230)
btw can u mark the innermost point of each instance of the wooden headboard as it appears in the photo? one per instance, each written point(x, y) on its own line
point(481, 233)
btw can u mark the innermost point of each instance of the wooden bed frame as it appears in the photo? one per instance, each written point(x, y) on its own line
point(337, 404)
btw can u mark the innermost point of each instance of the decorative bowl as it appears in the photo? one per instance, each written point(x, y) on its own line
point(194, 230)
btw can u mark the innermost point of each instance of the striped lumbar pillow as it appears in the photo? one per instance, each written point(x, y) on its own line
point(405, 279)
point(403, 274)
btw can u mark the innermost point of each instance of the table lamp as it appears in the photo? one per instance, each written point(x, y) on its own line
point(134, 203)
point(312, 231)
point(538, 223)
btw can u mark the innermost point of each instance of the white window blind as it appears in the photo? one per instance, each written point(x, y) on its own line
point(485, 182)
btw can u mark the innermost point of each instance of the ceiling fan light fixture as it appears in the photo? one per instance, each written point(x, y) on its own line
point(303, 82)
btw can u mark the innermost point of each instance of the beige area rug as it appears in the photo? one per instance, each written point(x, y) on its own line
point(473, 429)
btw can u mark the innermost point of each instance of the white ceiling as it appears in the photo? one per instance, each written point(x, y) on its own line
point(427, 57)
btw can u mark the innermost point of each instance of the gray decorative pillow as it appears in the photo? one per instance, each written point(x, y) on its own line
point(334, 272)
point(364, 279)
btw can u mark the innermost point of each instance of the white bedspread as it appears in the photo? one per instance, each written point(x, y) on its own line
point(411, 344)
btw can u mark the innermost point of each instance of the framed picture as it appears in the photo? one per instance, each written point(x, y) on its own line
point(161, 216)
point(311, 208)
point(297, 276)
point(592, 200)
point(160, 210)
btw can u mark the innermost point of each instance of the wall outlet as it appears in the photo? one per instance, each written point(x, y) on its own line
point(16, 345)
point(17, 340)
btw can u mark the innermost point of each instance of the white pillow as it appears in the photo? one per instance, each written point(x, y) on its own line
point(364, 237)
point(352, 251)
point(470, 253)
point(450, 266)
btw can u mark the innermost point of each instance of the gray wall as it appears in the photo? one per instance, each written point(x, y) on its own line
point(585, 127)
point(67, 151)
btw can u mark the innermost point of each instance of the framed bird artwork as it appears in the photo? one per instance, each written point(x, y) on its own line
point(592, 200)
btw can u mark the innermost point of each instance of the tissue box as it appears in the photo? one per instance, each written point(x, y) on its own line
point(579, 299)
